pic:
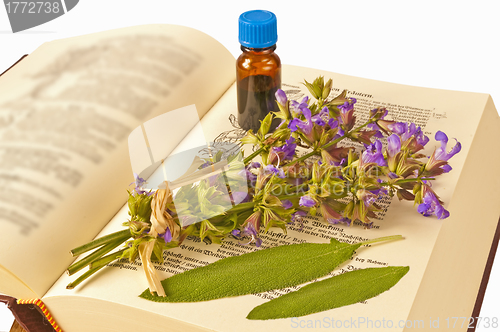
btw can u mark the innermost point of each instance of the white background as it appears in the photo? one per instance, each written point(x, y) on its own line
point(439, 44)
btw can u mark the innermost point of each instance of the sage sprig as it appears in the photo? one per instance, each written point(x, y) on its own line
point(259, 271)
point(335, 292)
point(233, 194)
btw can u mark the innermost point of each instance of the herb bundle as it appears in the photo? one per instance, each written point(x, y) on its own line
point(303, 168)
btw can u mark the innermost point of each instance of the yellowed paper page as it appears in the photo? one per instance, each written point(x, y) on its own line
point(65, 114)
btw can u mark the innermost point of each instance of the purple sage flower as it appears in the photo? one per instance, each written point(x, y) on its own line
point(446, 168)
point(393, 145)
point(305, 126)
point(287, 204)
point(347, 106)
point(441, 153)
point(374, 126)
point(322, 117)
point(380, 113)
point(340, 163)
point(284, 152)
point(253, 164)
point(333, 123)
point(373, 154)
point(250, 228)
point(276, 171)
point(249, 175)
point(325, 112)
point(380, 191)
point(421, 138)
point(409, 131)
point(366, 196)
point(252, 178)
point(281, 97)
point(318, 120)
point(438, 162)
point(431, 206)
point(299, 106)
point(393, 175)
point(167, 236)
point(240, 197)
point(139, 183)
point(342, 220)
point(398, 128)
point(307, 201)
point(405, 132)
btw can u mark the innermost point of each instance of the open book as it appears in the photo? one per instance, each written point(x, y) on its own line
point(66, 112)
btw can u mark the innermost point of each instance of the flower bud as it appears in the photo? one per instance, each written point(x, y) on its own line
point(327, 89)
point(329, 212)
point(281, 134)
point(131, 204)
point(254, 221)
point(315, 91)
point(405, 195)
point(265, 124)
point(363, 136)
point(386, 125)
point(348, 211)
point(319, 82)
point(339, 100)
point(378, 113)
point(250, 138)
point(144, 207)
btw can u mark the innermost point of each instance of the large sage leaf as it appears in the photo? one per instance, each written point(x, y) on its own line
point(259, 271)
point(345, 289)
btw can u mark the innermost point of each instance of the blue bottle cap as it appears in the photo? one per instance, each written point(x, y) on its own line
point(258, 29)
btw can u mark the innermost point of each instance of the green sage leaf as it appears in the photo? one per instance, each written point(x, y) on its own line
point(345, 289)
point(259, 271)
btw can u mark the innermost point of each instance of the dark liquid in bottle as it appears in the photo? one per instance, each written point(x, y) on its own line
point(256, 98)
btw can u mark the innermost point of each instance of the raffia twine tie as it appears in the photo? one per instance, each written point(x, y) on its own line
point(160, 221)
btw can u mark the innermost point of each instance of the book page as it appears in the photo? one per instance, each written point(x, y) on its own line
point(122, 282)
point(65, 114)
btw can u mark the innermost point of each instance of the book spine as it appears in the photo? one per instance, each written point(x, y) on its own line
point(39, 303)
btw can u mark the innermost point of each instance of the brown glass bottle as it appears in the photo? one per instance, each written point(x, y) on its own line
point(258, 70)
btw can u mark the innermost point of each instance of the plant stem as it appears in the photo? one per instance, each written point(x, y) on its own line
point(282, 197)
point(407, 180)
point(304, 157)
point(95, 255)
point(382, 239)
point(241, 207)
point(253, 155)
point(83, 277)
point(100, 241)
point(106, 259)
